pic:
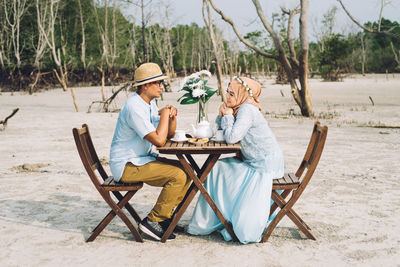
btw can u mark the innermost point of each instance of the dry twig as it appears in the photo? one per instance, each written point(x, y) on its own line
point(109, 100)
point(4, 122)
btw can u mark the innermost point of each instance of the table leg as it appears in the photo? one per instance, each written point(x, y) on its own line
point(198, 182)
point(194, 164)
point(199, 173)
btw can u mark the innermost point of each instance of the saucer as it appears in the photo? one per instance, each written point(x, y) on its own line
point(217, 140)
point(180, 140)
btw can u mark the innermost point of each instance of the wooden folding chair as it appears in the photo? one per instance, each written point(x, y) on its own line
point(295, 183)
point(92, 163)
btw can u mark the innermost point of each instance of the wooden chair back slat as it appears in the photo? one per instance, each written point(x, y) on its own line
point(88, 155)
point(314, 148)
point(312, 155)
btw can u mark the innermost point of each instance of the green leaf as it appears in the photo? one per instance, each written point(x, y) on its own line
point(187, 101)
point(210, 94)
point(208, 88)
point(187, 95)
point(187, 89)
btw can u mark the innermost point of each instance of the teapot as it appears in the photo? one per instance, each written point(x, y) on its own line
point(203, 130)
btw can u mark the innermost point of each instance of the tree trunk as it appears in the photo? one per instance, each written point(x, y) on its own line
point(208, 23)
point(363, 54)
point(145, 57)
point(74, 99)
point(305, 95)
point(83, 42)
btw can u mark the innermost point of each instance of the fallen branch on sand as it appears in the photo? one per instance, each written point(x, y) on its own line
point(372, 101)
point(106, 103)
point(4, 122)
point(380, 126)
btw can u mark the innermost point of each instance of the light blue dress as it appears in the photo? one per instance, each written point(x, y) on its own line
point(241, 189)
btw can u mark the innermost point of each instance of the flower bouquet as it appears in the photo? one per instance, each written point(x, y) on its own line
point(197, 91)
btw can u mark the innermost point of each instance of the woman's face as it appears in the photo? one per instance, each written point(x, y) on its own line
point(230, 97)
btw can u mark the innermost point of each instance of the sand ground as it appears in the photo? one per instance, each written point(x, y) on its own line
point(48, 205)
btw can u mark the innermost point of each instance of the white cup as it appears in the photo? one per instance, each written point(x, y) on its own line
point(219, 135)
point(180, 135)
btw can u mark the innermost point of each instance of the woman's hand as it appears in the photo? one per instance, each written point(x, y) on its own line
point(224, 110)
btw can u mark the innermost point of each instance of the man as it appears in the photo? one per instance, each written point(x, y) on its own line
point(140, 126)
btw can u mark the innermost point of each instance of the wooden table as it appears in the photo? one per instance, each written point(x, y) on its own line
point(184, 152)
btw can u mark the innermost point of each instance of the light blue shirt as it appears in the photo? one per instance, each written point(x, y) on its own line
point(136, 119)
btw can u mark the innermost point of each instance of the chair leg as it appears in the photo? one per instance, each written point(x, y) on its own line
point(100, 227)
point(272, 226)
point(275, 206)
point(300, 225)
point(128, 207)
point(116, 210)
point(299, 218)
point(286, 209)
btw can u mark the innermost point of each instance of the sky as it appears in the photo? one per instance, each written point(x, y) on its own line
point(244, 15)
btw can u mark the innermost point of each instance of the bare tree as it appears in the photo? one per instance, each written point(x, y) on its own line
point(47, 27)
point(301, 94)
point(396, 54)
point(208, 22)
point(3, 40)
point(13, 18)
point(42, 10)
point(163, 45)
point(371, 30)
point(109, 43)
point(83, 41)
point(132, 46)
point(181, 42)
point(364, 48)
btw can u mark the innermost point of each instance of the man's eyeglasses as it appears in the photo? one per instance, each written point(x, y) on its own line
point(159, 83)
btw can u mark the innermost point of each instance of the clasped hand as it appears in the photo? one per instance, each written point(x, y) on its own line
point(171, 110)
point(224, 110)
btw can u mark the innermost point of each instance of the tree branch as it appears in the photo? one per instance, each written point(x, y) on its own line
point(235, 29)
point(4, 122)
point(292, 51)
point(378, 32)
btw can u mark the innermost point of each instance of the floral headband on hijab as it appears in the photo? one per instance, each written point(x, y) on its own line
point(253, 89)
point(244, 84)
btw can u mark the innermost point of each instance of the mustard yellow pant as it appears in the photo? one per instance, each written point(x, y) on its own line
point(163, 172)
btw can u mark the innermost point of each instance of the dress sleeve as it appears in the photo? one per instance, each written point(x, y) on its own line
point(235, 130)
point(218, 122)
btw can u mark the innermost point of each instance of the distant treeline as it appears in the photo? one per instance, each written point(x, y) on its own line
point(47, 42)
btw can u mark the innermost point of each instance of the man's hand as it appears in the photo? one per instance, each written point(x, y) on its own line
point(172, 111)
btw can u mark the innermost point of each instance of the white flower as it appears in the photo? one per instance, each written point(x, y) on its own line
point(188, 79)
point(204, 72)
point(196, 85)
point(198, 92)
point(183, 83)
point(193, 76)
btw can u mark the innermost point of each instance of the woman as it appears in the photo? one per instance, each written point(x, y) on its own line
point(241, 188)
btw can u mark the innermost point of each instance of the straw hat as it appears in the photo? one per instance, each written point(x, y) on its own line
point(147, 73)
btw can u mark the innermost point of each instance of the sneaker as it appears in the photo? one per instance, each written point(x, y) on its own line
point(165, 224)
point(153, 229)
